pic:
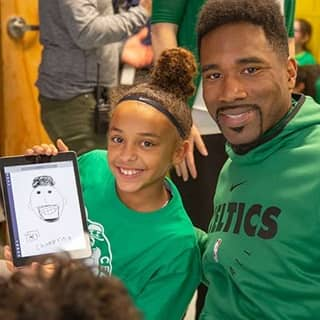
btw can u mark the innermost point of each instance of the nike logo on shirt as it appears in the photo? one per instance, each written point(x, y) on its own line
point(234, 186)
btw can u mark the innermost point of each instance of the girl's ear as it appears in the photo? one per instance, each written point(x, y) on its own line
point(180, 152)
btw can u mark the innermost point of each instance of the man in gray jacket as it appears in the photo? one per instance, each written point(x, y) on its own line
point(81, 39)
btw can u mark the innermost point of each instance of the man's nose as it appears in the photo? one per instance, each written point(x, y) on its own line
point(232, 89)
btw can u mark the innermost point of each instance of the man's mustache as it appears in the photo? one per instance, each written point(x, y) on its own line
point(236, 106)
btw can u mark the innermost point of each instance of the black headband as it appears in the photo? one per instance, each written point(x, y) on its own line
point(157, 106)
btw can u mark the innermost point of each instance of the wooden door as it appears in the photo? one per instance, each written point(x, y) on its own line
point(20, 124)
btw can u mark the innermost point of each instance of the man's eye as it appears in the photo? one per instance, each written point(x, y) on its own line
point(147, 144)
point(117, 139)
point(250, 70)
point(214, 76)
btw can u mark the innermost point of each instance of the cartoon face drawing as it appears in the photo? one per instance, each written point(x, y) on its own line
point(45, 199)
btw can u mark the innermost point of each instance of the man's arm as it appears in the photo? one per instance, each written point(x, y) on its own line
point(164, 36)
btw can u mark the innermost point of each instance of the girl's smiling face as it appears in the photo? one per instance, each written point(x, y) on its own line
point(142, 145)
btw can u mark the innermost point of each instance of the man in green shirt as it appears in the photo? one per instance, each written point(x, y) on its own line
point(260, 255)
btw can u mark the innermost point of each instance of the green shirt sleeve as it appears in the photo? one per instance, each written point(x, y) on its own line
point(289, 14)
point(201, 239)
point(168, 11)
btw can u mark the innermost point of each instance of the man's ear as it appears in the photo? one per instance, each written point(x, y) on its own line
point(292, 72)
point(180, 152)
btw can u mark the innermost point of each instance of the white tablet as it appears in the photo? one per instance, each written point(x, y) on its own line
point(44, 207)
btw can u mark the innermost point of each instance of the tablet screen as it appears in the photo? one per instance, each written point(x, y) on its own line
point(44, 207)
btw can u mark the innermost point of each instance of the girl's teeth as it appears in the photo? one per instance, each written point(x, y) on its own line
point(128, 172)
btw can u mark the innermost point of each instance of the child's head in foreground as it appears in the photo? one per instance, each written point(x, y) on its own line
point(72, 292)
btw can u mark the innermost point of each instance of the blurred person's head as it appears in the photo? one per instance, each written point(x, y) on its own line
point(72, 292)
point(302, 34)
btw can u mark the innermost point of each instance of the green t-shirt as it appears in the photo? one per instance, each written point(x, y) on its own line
point(263, 246)
point(155, 254)
point(305, 58)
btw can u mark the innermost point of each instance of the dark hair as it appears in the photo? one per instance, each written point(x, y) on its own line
point(170, 86)
point(42, 181)
point(306, 30)
point(72, 292)
point(263, 13)
point(308, 75)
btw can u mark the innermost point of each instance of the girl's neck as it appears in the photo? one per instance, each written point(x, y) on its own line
point(146, 200)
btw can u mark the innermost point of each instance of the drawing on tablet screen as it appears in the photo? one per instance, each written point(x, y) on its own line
point(45, 200)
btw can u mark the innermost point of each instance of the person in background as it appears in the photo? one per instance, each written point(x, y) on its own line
point(263, 240)
point(302, 35)
point(139, 229)
point(82, 42)
point(72, 291)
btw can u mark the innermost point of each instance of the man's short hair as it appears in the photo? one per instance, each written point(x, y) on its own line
point(263, 13)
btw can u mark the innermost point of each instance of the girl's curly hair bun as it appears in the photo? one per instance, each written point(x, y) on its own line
point(174, 72)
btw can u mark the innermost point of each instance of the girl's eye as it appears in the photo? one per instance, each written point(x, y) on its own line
point(147, 144)
point(117, 139)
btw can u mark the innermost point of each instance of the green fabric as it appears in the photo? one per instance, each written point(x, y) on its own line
point(305, 58)
point(73, 121)
point(317, 84)
point(201, 238)
point(155, 254)
point(289, 14)
point(263, 243)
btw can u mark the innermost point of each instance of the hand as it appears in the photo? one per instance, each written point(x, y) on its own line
point(135, 53)
point(9, 262)
point(47, 149)
point(47, 269)
point(147, 5)
point(188, 164)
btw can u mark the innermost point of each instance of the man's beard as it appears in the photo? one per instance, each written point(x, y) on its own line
point(245, 147)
